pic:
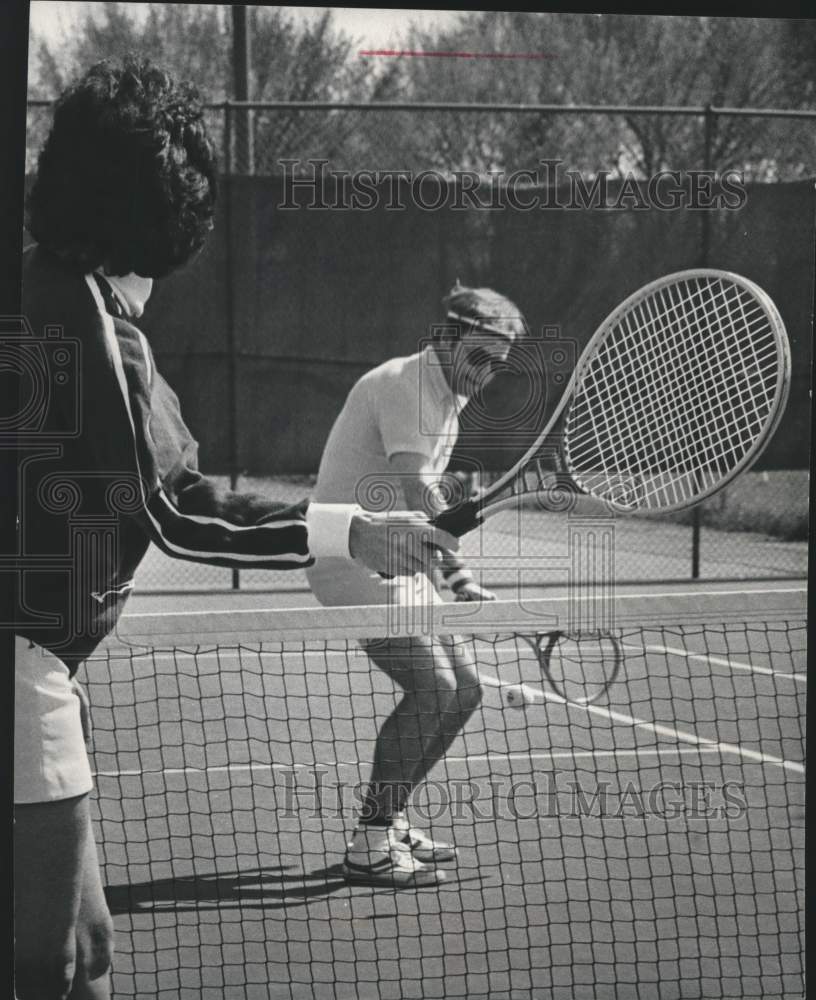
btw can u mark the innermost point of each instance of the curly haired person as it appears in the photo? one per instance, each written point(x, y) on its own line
point(125, 194)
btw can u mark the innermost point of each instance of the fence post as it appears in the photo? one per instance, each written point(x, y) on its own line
point(242, 58)
point(705, 253)
point(232, 365)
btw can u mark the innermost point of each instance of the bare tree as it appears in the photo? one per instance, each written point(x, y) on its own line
point(621, 59)
point(291, 61)
point(584, 58)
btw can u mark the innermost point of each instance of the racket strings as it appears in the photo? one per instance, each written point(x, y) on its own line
point(701, 397)
point(675, 396)
point(648, 415)
point(618, 394)
point(701, 401)
point(712, 408)
point(649, 429)
point(640, 420)
point(716, 407)
point(750, 330)
point(740, 378)
point(716, 396)
point(690, 393)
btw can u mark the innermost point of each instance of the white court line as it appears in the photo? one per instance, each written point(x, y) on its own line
point(534, 695)
point(680, 734)
point(720, 661)
point(552, 755)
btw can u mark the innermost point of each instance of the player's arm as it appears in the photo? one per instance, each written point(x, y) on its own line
point(191, 516)
point(421, 488)
point(253, 530)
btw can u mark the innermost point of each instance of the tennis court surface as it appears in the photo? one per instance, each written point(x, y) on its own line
point(650, 844)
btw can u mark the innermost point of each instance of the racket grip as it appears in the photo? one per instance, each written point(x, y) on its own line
point(459, 520)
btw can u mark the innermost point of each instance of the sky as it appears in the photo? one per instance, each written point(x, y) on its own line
point(373, 27)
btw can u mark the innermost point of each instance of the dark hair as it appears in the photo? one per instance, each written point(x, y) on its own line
point(483, 308)
point(126, 179)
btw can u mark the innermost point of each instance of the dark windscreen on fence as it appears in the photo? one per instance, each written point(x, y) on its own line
point(305, 299)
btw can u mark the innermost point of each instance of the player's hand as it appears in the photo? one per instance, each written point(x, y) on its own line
point(468, 590)
point(398, 543)
point(84, 709)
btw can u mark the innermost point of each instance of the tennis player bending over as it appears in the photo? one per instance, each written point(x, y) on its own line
point(396, 433)
point(125, 193)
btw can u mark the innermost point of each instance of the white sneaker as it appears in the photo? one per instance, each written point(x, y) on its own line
point(393, 864)
point(423, 847)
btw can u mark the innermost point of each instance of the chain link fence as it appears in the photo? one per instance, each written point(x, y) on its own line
point(284, 310)
point(755, 529)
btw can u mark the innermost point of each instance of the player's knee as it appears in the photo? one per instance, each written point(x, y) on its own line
point(95, 947)
point(468, 692)
point(41, 977)
point(444, 685)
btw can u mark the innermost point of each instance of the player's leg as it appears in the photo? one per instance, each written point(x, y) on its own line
point(404, 751)
point(376, 853)
point(63, 929)
point(467, 700)
point(427, 716)
point(47, 889)
point(94, 933)
point(440, 672)
point(439, 696)
point(468, 697)
point(63, 935)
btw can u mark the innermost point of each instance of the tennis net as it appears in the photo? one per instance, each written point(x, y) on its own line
point(648, 844)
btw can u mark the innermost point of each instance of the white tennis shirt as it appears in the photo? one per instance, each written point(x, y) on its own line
point(404, 404)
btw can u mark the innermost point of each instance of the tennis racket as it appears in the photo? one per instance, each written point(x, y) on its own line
point(580, 667)
point(678, 391)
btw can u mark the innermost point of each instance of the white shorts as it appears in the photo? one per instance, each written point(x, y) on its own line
point(50, 759)
point(338, 582)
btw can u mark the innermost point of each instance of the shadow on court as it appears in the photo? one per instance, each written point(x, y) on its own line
point(262, 888)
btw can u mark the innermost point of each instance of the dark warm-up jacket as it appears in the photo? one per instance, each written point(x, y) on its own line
point(107, 465)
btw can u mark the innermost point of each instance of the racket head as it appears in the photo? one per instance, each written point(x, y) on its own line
point(677, 393)
point(580, 666)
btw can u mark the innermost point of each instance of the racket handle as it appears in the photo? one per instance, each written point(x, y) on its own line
point(459, 520)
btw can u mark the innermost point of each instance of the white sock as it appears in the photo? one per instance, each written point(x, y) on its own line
point(400, 822)
point(368, 839)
